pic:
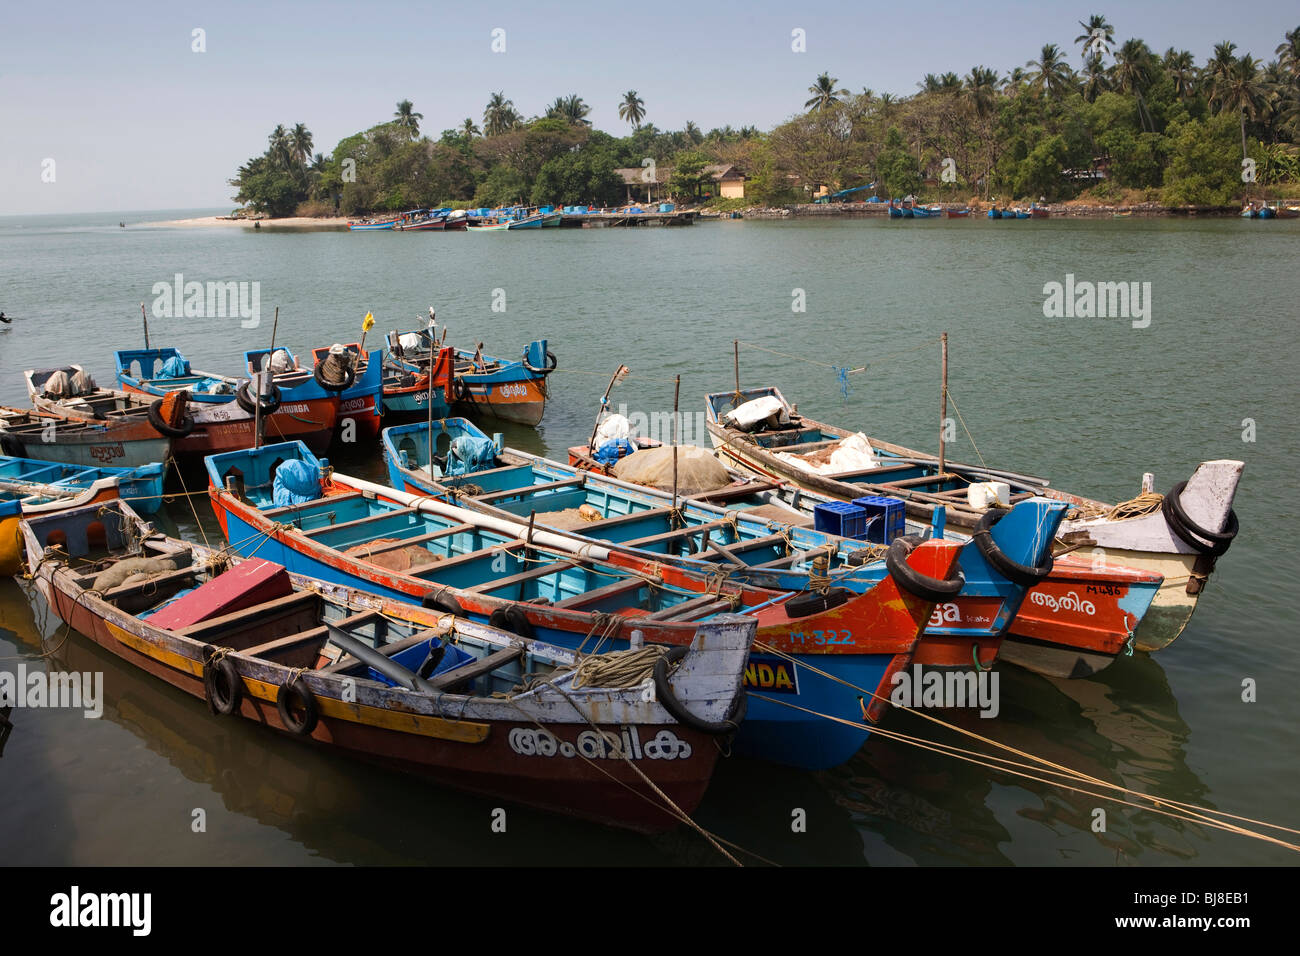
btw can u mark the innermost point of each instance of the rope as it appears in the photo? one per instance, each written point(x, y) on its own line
point(668, 804)
point(334, 368)
point(842, 374)
point(189, 499)
point(989, 761)
point(1146, 503)
point(618, 669)
point(965, 429)
point(1049, 765)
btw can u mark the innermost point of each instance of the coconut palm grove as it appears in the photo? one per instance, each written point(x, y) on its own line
point(1109, 120)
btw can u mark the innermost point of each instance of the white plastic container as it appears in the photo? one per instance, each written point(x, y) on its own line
point(982, 494)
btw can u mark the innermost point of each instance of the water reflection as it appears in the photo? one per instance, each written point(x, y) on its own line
point(1121, 726)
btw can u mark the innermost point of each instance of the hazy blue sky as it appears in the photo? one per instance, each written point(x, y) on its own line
point(135, 120)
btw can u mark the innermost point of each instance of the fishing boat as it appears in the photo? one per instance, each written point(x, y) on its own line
point(480, 226)
point(512, 391)
point(362, 400)
point(1073, 623)
point(473, 707)
point(996, 213)
point(923, 212)
point(407, 389)
point(29, 487)
point(552, 220)
point(367, 225)
point(1178, 535)
point(1122, 214)
point(957, 213)
point(51, 436)
point(295, 404)
point(1038, 212)
point(895, 211)
point(1019, 213)
point(1286, 212)
point(769, 545)
point(195, 430)
point(835, 651)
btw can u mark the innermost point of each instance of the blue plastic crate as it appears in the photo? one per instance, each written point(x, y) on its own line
point(841, 518)
point(890, 511)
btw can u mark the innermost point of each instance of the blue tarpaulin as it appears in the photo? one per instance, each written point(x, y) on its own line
point(610, 452)
point(295, 482)
point(470, 453)
point(175, 367)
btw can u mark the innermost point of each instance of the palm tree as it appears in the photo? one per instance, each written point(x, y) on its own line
point(981, 89)
point(279, 151)
point(407, 118)
point(300, 144)
point(1288, 52)
point(1096, 78)
point(500, 116)
point(1096, 37)
point(1050, 74)
point(886, 105)
point(632, 109)
point(1133, 71)
point(468, 129)
point(1219, 66)
point(1012, 82)
point(824, 93)
point(570, 108)
point(1242, 93)
point(1180, 67)
point(692, 133)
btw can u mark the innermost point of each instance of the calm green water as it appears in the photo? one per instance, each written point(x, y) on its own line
point(1092, 403)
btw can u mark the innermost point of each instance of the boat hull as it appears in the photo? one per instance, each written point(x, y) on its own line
point(494, 758)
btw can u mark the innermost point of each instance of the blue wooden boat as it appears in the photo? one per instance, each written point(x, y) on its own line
point(895, 212)
point(30, 487)
point(769, 546)
point(512, 391)
point(827, 648)
point(995, 213)
point(390, 682)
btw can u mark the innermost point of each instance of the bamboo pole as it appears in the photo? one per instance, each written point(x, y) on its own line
point(735, 345)
point(604, 402)
point(145, 319)
point(433, 329)
point(943, 401)
point(677, 388)
point(259, 392)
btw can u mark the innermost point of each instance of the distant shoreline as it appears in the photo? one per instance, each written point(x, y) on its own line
point(292, 222)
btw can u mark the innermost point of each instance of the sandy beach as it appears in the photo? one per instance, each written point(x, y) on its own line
point(292, 222)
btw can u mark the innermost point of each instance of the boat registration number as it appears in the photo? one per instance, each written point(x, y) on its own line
point(822, 638)
point(512, 391)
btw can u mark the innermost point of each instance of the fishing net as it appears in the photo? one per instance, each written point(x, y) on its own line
point(697, 470)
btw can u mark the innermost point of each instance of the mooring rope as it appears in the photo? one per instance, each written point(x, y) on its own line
point(1146, 503)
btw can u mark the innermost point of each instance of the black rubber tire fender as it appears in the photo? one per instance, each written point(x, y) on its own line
point(297, 692)
point(270, 401)
point(431, 661)
point(223, 688)
point(459, 390)
point(664, 694)
point(1192, 534)
point(349, 377)
point(513, 619)
point(1013, 571)
point(913, 581)
point(160, 424)
point(439, 601)
point(811, 602)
